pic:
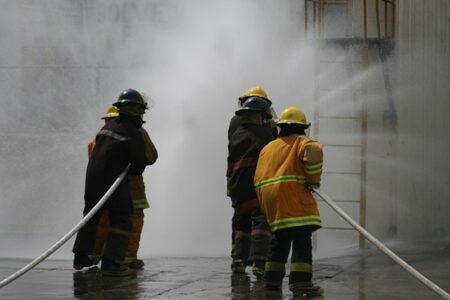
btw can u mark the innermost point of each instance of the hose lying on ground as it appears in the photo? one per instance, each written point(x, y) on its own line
point(65, 238)
point(382, 247)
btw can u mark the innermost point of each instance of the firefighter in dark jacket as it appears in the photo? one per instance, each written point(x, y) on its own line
point(117, 144)
point(252, 233)
point(138, 197)
point(256, 91)
point(236, 122)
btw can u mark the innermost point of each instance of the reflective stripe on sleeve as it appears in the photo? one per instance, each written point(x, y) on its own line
point(313, 169)
point(287, 178)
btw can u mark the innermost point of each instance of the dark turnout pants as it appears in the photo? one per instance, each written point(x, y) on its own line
point(301, 260)
point(233, 233)
point(252, 237)
point(116, 241)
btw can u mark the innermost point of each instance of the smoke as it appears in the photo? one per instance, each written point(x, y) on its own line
point(216, 51)
point(64, 62)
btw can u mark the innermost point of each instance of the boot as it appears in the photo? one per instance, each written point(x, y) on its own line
point(306, 288)
point(258, 268)
point(114, 269)
point(136, 264)
point(238, 266)
point(81, 261)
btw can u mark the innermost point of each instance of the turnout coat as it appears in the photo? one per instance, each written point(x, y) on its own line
point(117, 144)
point(285, 167)
point(244, 146)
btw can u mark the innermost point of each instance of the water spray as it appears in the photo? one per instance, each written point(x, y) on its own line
point(382, 247)
point(65, 238)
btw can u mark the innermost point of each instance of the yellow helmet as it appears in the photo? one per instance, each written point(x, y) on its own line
point(111, 112)
point(255, 91)
point(293, 115)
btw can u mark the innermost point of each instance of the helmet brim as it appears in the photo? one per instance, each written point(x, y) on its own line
point(247, 109)
point(290, 122)
point(243, 98)
point(127, 102)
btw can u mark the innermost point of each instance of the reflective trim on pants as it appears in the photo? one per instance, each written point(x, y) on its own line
point(252, 237)
point(301, 267)
point(299, 239)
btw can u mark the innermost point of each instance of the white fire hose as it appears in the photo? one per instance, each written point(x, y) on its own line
point(65, 238)
point(382, 247)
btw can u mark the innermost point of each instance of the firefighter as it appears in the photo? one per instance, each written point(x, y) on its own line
point(252, 234)
point(256, 91)
point(138, 196)
point(236, 122)
point(117, 144)
point(288, 168)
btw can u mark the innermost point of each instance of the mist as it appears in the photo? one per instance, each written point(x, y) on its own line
point(62, 63)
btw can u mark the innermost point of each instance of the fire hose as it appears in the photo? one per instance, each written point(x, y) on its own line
point(65, 238)
point(382, 247)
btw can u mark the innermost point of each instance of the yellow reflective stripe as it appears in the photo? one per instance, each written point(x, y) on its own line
point(301, 267)
point(129, 259)
point(287, 178)
point(295, 222)
point(313, 169)
point(140, 203)
point(274, 266)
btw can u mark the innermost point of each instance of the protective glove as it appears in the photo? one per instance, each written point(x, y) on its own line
point(312, 186)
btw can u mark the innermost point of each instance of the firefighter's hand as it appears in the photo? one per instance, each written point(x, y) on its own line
point(312, 186)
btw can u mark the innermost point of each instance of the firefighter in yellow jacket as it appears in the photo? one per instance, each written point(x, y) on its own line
point(138, 196)
point(287, 169)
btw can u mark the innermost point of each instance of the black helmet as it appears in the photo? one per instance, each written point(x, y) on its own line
point(130, 96)
point(255, 104)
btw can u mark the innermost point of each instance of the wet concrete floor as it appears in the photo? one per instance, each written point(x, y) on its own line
point(367, 275)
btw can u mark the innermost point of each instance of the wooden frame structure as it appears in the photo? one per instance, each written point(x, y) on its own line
point(383, 41)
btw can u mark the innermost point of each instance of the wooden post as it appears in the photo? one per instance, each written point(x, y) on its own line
point(321, 17)
point(314, 18)
point(386, 33)
point(393, 18)
point(306, 19)
point(347, 22)
point(363, 192)
point(317, 47)
point(377, 13)
point(365, 19)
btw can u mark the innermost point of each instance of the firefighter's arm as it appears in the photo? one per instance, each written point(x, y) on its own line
point(138, 159)
point(91, 148)
point(313, 161)
point(150, 150)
